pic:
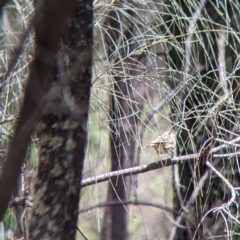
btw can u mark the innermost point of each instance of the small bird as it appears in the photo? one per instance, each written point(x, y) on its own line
point(165, 143)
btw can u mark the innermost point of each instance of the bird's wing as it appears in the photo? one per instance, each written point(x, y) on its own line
point(157, 140)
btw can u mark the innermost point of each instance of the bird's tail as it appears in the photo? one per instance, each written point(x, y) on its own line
point(147, 146)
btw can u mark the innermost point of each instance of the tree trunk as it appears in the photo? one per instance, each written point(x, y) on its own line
point(63, 133)
point(131, 86)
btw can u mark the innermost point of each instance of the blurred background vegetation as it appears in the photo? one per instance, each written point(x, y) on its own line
point(156, 64)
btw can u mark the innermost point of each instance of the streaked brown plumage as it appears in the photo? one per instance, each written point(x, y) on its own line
point(165, 143)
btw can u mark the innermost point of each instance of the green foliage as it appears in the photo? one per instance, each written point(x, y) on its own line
point(10, 221)
point(1, 231)
point(33, 156)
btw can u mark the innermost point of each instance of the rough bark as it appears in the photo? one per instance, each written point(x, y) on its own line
point(63, 133)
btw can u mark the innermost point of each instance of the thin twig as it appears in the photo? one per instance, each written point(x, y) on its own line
point(82, 234)
point(229, 185)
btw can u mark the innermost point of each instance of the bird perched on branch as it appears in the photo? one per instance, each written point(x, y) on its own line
point(165, 143)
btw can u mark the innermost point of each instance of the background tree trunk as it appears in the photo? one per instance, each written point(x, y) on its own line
point(131, 86)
